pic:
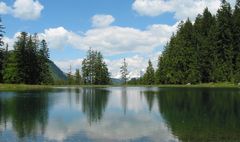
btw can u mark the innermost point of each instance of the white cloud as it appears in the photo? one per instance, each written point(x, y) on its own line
point(10, 41)
point(4, 9)
point(99, 21)
point(181, 9)
point(27, 9)
point(60, 38)
point(23, 9)
point(113, 39)
point(64, 65)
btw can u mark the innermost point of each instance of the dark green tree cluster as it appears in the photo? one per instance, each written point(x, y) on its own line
point(206, 51)
point(27, 63)
point(94, 69)
point(2, 51)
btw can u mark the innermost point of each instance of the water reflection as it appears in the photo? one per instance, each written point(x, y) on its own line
point(201, 114)
point(121, 114)
point(26, 114)
point(94, 102)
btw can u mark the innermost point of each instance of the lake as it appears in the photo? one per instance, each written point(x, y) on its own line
point(121, 114)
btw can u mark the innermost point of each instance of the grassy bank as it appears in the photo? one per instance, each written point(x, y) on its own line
point(12, 87)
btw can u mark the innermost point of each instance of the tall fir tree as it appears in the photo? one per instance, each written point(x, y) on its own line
point(149, 77)
point(77, 77)
point(223, 66)
point(2, 52)
point(43, 63)
point(20, 58)
point(124, 71)
point(203, 25)
point(236, 42)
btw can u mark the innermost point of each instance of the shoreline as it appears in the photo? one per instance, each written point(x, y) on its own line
point(16, 87)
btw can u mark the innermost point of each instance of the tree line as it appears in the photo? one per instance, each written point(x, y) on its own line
point(94, 71)
point(27, 63)
point(206, 50)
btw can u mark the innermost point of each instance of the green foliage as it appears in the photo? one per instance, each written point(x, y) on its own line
point(94, 69)
point(28, 62)
point(2, 52)
point(124, 71)
point(78, 78)
point(206, 51)
point(148, 78)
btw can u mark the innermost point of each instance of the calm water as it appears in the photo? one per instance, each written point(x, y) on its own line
point(118, 114)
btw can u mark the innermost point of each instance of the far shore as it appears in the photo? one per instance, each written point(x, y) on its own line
point(16, 87)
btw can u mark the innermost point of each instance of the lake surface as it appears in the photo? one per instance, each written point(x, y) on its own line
point(119, 114)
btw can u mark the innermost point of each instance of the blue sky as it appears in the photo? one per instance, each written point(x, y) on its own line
point(135, 30)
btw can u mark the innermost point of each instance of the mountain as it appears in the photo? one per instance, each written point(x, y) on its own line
point(116, 81)
point(58, 74)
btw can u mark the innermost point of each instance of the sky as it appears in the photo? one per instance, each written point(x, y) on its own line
point(136, 30)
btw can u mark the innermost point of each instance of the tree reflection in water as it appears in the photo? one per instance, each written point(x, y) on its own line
point(94, 102)
point(200, 114)
point(28, 115)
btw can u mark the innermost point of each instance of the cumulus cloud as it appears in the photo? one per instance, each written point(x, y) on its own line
point(99, 21)
point(27, 9)
point(64, 65)
point(181, 9)
point(113, 39)
point(23, 9)
point(10, 41)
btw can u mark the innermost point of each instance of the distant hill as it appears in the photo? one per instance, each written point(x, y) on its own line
point(58, 74)
point(116, 81)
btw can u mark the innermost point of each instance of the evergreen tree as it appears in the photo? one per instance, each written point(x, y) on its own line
point(236, 43)
point(43, 62)
point(204, 24)
point(94, 69)
point(149, 75)
point(20, 58)
point(223, 65)
point(2, 52)
point(77, 77)
point(28, 62)
point(124, 71)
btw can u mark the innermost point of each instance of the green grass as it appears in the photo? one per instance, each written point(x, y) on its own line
point(16, 87)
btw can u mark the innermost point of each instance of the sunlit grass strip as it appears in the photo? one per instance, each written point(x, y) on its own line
point(16, 87)
point(12, 87)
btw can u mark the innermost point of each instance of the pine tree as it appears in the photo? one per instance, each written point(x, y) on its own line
point(149, 75)
point(236, 43)
point(2, 52)
point(94, 69)
point(223, 66)
point(43, 62)
point(124, 71)
point(204, 24)
point(21, 58)
point(77, 77)
point(28, 62)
